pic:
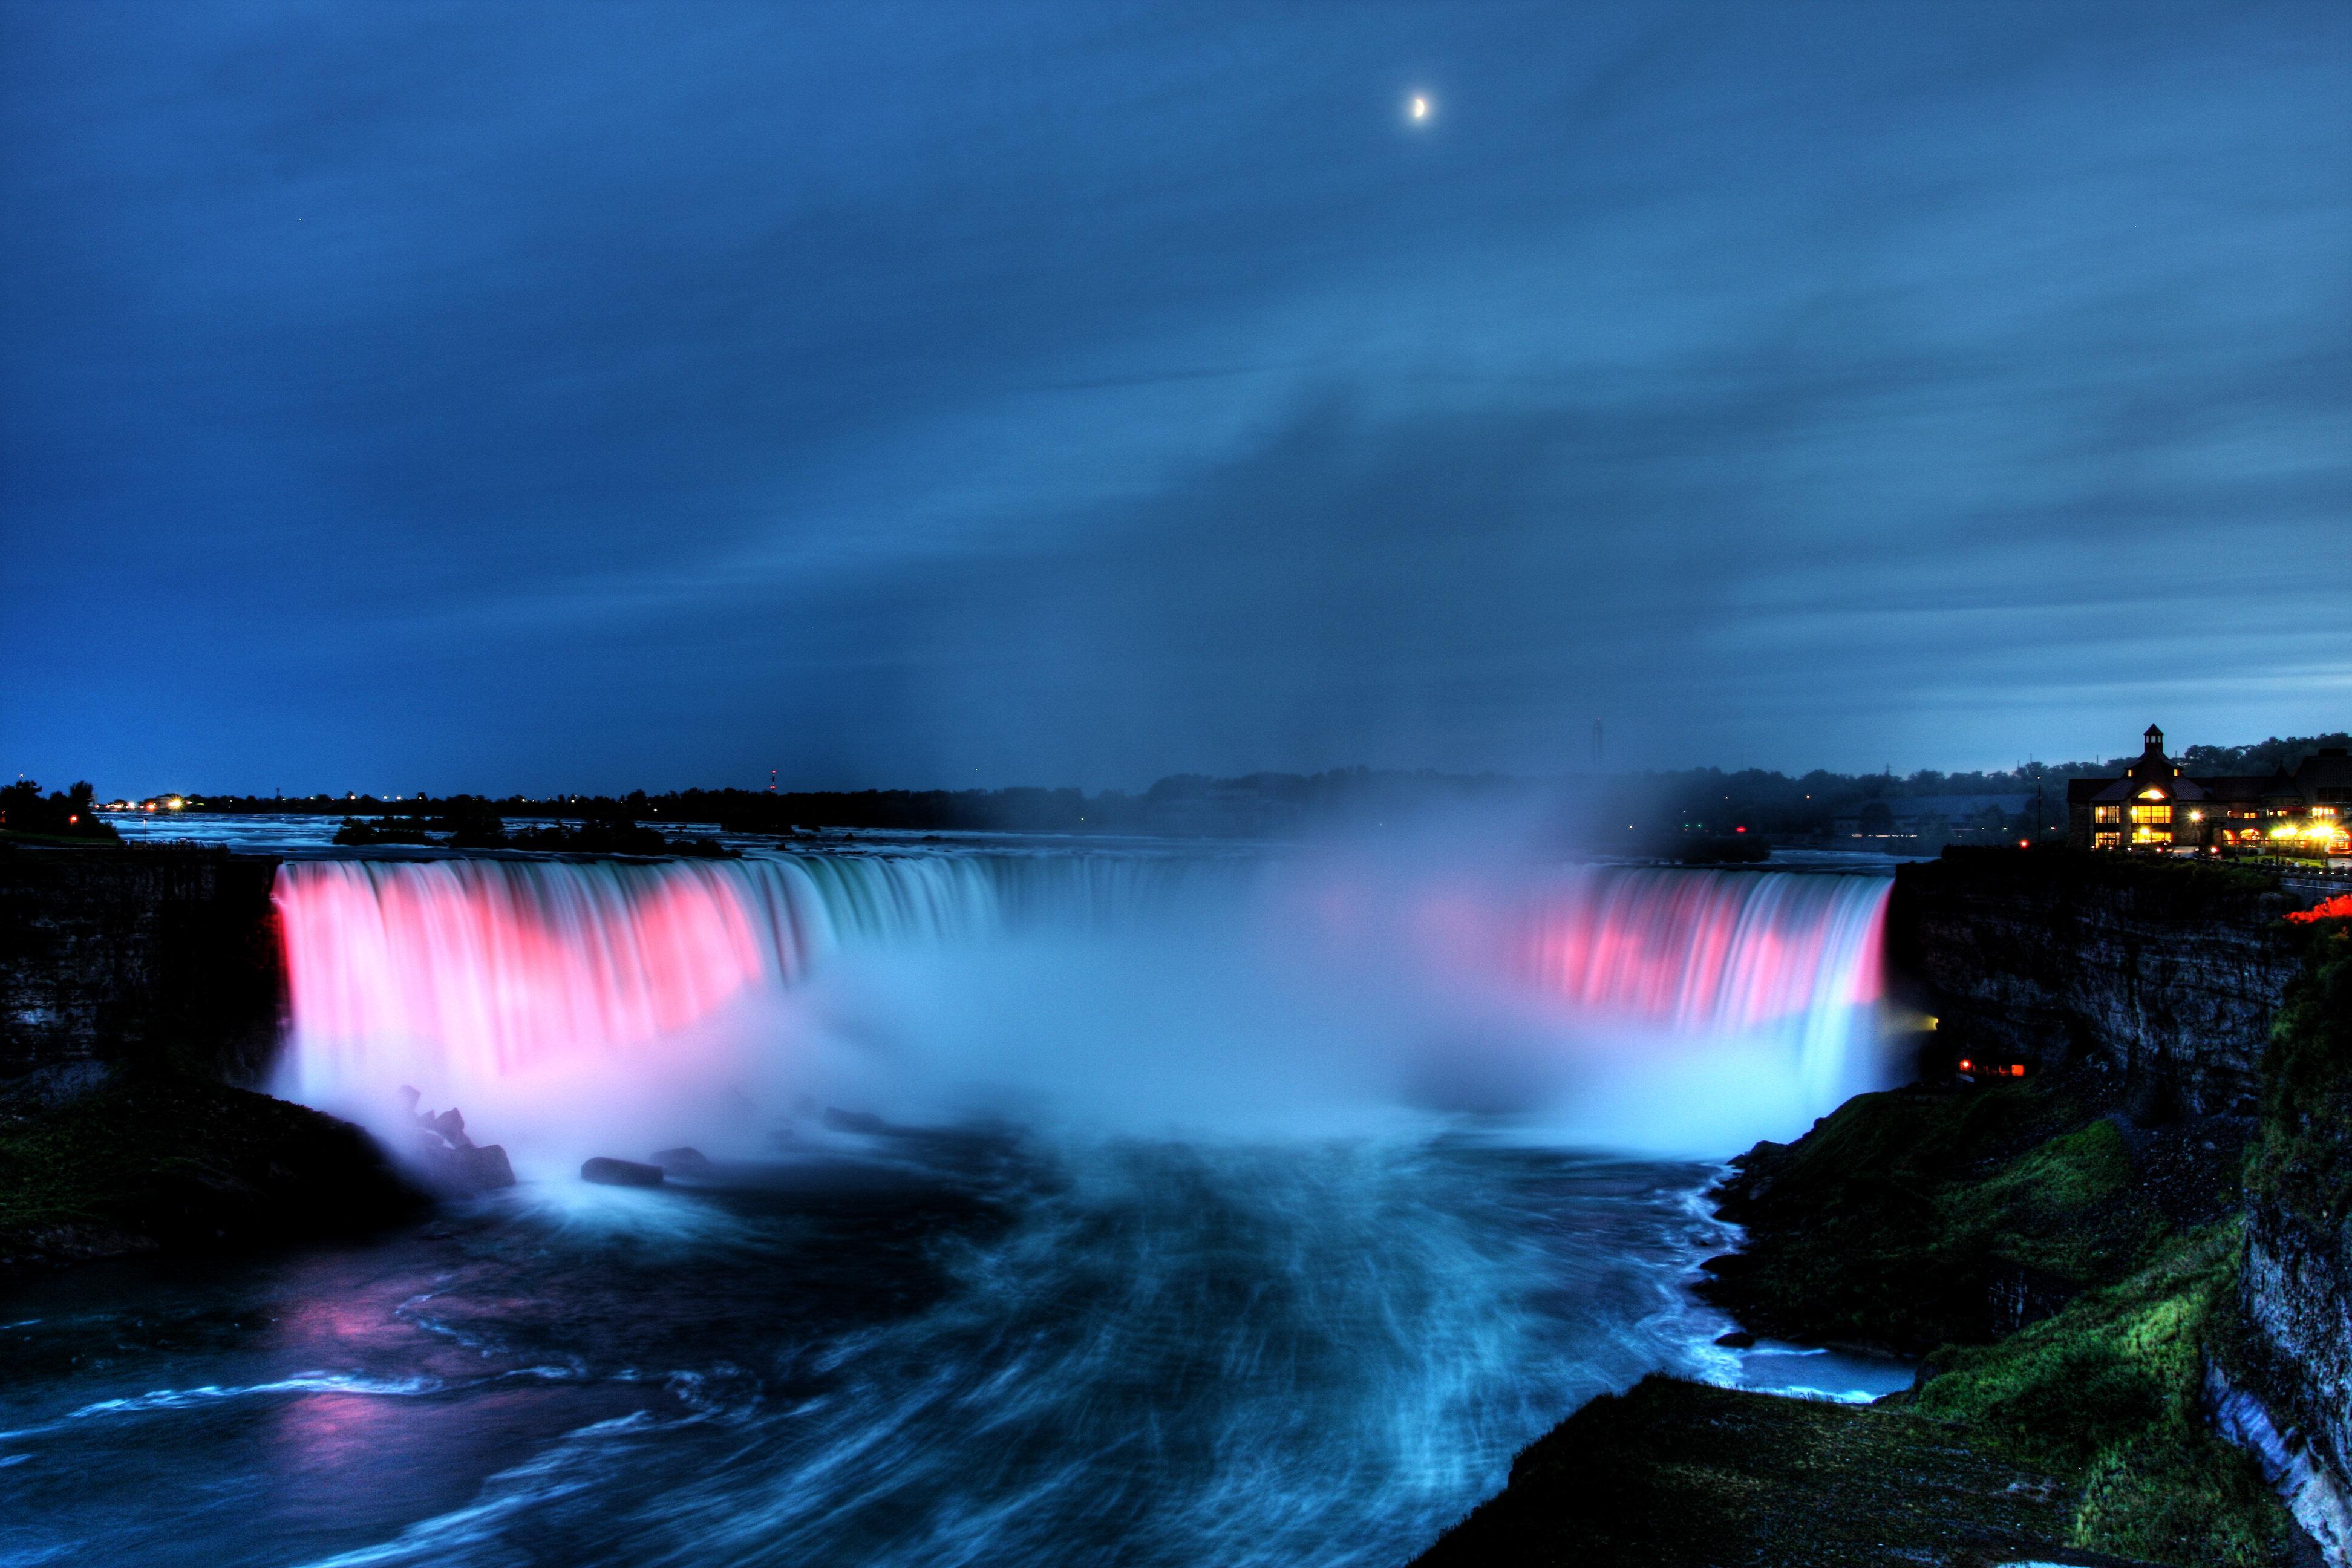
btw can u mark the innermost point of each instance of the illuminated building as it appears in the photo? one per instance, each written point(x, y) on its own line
point(2155, 806)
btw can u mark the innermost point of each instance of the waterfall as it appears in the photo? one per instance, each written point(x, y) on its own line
point(1191, 985)
point(1721, 953)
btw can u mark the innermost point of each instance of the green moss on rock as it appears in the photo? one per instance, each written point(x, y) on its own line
point(1910, 1218)
point(2107, 1395)
point(2302, 1164)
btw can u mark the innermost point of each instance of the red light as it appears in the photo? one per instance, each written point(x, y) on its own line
point(1739, 830)
point(2334, 909)
point(1966, 1064)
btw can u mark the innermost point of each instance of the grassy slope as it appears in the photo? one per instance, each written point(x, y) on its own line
point(2105, 1396)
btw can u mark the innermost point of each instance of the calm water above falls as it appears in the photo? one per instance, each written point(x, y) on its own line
point(1259, 1233)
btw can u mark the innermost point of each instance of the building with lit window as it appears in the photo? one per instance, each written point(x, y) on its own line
point(2155, 806)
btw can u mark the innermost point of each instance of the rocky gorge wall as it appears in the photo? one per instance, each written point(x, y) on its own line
point(2296, 1295)
point(161, 957)
point(2296, 1291)
point(2165, 976)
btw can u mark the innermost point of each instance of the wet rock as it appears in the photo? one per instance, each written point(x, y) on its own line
point(1738, 1340)
point(462, 1172)
point(487, 1166)
point(453, 1164)
point(46, 1089)
point(621, 1172)
point(683, 1162)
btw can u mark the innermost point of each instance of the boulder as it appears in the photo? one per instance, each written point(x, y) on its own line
point(485, 1166)
point(621, 1172)
point(683, 1162)
point(463, 1170)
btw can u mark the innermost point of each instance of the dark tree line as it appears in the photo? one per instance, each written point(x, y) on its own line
point(1651, 812)
point(60, 814)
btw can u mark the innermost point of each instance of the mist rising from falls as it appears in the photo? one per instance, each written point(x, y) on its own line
point(611, 1007)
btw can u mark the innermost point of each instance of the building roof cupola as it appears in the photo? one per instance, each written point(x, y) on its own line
point(2153, 763)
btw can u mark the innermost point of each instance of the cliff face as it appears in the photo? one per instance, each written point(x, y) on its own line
point(2296, 1292)
point(2297, 1298)
point(2166, 977)
point(139, 957)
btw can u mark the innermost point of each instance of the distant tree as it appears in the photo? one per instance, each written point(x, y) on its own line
point(62, 814)
point(2261, 757)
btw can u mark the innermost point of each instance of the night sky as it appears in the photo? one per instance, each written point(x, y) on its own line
point(404, 396)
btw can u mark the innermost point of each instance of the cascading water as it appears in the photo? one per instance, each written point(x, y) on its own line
point(1227, 1211)
point(1767, 982)
point(546, 990)
point(474, 978)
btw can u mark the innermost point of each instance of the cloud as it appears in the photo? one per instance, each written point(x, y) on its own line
point(575, 398)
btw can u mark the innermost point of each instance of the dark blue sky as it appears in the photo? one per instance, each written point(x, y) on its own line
point(465, 396)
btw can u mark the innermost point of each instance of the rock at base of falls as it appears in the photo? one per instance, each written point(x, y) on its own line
point(486, 1167)
point(463, 1170)
point(621, 1174)
point(452, 1163)
point(687, 1162)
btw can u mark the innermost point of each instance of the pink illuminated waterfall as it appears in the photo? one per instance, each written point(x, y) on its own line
point(461, 973)
point(513, 963)
point(1794, 959)
point(1710, 949)
point(523, 986)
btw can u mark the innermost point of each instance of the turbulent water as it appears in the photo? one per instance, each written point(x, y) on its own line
point(1187, 1211)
